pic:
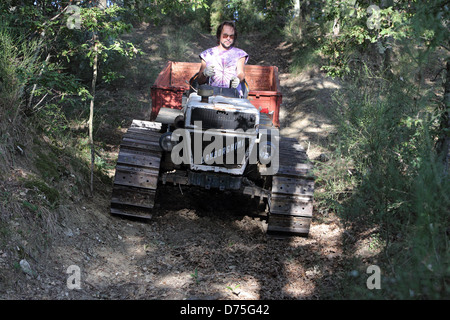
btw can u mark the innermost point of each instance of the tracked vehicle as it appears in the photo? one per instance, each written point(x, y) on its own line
point(214, 138)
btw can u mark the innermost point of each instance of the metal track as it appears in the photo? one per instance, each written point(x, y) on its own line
point(137, 170)
point(291, 198)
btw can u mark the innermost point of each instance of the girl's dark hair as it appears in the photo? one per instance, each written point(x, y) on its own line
point(226, 23)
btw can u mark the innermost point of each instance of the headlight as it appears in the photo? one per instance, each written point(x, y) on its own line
point(179, 121)
point(165, 142)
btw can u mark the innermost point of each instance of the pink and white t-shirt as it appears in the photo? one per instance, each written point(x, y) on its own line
point(225, 64)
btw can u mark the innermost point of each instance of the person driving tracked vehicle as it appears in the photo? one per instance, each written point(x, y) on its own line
point(223, 65)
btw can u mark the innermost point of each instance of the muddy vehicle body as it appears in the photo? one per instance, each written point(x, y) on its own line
point(214, 138)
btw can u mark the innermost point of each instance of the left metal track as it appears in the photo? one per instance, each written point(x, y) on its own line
point(137, 170)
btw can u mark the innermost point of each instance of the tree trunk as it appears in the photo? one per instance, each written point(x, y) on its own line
point(91, 111)
point(296, 8)
point(387, 43)
point(298, 18)
point(443, 146)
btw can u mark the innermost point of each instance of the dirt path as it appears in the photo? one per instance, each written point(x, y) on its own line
point(199, 244)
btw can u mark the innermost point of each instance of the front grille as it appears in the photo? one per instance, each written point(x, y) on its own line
point(230, 154)
point(221, 119)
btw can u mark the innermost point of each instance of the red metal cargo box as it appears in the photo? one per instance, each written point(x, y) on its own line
point(170, 84)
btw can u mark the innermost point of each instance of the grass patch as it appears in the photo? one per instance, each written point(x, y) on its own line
point(177, 46)
point(305, 57)
point(48, 165)
point(389, 179)
point(41, 188)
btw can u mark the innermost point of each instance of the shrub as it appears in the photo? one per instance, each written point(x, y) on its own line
point(17, 65)
point(400, 190)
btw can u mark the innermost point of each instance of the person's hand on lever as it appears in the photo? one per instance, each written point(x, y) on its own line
point(235, 82)
point(209, 71)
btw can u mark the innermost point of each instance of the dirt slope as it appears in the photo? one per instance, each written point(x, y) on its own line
point(200, 244)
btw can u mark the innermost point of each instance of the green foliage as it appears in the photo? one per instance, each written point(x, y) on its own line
point(176, 46)
point(48, 165)
point(248, 19)
point(180, 13)
point(354, 33)
point(195, 276)
point(430, 22)
point(30, 206)
point(334, 181)
point(17, 66)
point(397, 183)
point(429, 240)
point(219, 13)
point(77, 46)
point(251, 15)
point(50, 194)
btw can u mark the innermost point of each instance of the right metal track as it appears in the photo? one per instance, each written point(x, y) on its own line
point(292, 193)
point(137, 170)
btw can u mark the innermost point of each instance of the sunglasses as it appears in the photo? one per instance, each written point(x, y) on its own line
point(231, 36)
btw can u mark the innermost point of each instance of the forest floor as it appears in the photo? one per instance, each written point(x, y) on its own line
point(200, 244)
